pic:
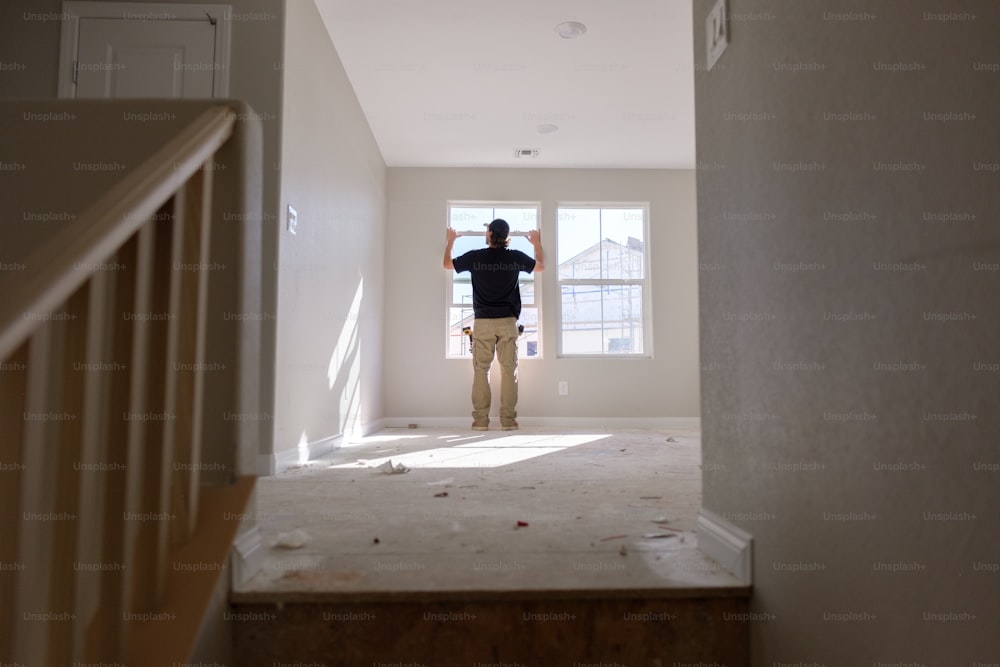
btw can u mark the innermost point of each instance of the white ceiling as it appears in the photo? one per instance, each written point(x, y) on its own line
point(465, 82)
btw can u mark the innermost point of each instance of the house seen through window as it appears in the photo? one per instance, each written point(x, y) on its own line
point(603, 280)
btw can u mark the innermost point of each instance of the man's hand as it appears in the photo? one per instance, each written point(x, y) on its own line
point(450, 236)
point(535, 236)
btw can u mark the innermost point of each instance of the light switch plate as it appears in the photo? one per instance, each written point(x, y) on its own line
point(716, 32)
point(293, 219)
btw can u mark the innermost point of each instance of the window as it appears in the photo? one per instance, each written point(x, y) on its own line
point(603, 280)
point(469, 219)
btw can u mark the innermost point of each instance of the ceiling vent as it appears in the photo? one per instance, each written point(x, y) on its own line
point(525, 152)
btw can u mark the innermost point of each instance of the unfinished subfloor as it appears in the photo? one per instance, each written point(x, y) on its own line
point(535, 512)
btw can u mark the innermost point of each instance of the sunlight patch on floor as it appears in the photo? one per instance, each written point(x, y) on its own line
point(488, 454)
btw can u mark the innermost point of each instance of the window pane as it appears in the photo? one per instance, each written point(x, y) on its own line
point(582, 322)
point(458, 342)
point(519, 219)
point(461, 291)
point(527, 291)
point(621, 262)
point(579, 230)
point(622, 305)
point(523, 244)
point(470, 218)
point(623, 245)
point(602, 319)
point(528, 343)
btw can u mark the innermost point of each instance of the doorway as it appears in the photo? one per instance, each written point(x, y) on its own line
point(144, 50)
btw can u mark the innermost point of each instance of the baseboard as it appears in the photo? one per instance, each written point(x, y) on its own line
point(372, 427)
point(278, 462)
point(247, 555)
point(725, 543)
point(604, 423)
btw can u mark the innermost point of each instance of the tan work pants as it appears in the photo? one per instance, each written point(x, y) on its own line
point(494, 337)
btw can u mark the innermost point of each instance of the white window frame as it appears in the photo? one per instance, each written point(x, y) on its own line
point(646, 282)
point(481, 231)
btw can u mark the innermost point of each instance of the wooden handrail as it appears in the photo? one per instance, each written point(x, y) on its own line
point(59, 267)
point(125, 487)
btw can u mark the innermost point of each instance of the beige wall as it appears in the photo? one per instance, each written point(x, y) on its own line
point(420, 383)
point(826, 269)
point(329, 360)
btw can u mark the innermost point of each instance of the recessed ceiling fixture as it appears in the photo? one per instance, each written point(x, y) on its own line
point(571, 29)
point(547, 128)
point(525, 152)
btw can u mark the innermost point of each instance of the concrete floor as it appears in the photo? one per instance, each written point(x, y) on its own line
point(592, 501)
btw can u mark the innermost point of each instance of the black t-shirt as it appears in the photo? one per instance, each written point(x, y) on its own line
point(495, 276)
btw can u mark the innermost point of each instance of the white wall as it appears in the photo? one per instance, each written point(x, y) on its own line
point(871, 509)
point(420, 384)
point(329, 345)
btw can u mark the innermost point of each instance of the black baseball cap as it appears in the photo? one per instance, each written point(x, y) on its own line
point(499, 228)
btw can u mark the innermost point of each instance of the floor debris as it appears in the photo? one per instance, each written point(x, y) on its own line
point(293, 539)
point(623, 551)
point(521, 524)
point(654, 536)
point(671, 439)
point(613, 537)
point(390, 469)
point(443, 494)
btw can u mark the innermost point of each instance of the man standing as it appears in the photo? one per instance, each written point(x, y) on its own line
point(496, 303)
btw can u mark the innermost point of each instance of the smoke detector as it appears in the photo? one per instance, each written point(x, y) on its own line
point(525, 152)
point(571, 29)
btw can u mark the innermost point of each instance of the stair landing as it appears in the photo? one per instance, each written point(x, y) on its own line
point(436, 567)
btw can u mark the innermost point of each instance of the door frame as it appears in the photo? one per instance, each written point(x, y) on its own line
point(74, 10)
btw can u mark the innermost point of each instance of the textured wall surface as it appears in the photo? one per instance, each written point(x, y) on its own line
point(849, 250)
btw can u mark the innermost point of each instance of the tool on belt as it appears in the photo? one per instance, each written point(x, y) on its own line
point(468, 332)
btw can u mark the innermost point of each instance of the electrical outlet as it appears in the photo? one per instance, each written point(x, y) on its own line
point(716, 32)
point(564, 388)
point(293, 219)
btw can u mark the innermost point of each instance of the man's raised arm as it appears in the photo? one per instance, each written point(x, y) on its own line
point(535, 236)
point(451, 235)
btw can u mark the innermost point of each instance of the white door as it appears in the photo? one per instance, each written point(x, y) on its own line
point(144, 50)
